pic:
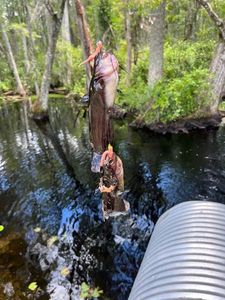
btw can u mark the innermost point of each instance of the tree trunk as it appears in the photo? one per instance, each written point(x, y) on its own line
point(85, 38)
point(12, 63)
point(218, 63)
point(55, 24)
point(26, 57)
point(218, 82)
point(30, 44)
point(14, 45)
point(129, 45)
point(191, 20)
point(156, 39)
point(66, 37)
point(66, 24)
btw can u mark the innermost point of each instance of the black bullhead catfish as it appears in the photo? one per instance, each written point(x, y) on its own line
point(102, 93)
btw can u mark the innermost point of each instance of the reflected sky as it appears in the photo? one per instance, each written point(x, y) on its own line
point(46, 182)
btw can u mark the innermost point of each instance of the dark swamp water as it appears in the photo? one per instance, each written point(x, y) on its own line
point(51, 209)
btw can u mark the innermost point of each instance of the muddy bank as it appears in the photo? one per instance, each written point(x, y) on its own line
point(182, 126)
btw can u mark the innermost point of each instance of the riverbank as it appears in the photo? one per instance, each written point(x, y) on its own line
point(184, 125)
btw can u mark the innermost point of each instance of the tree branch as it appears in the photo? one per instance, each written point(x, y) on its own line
point(84, 28)
point(214, 17)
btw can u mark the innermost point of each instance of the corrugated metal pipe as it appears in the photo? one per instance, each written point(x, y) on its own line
point(185, 258)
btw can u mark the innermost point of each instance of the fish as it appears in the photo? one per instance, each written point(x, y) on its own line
point(102, 93)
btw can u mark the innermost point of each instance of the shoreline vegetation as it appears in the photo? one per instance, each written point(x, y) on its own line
point(172, 75)
point(184, 125)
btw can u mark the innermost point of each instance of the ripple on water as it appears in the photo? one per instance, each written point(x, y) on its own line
point(46, 183)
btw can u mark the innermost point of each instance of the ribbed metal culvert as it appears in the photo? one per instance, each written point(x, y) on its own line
point(185, 258)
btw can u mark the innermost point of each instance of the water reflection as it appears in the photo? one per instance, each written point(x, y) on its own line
point(46, 182)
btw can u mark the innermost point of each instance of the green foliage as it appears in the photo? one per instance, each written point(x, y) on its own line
point(19, 27)
point(107, 23)
point(87, 292)
point(143, 7)
point(184, 88)
point(183, 91)
point(222, 106)
point(136, 95)
point(6, 80)
point(5, 86)
point(68, 56)
point(179, 97)
point(186, 56)
point(120, 53)
point(140, 70)
point(104, 15)
point(218, 5)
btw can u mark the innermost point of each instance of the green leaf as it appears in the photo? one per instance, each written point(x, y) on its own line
point(84, 287)
point(84, 295)
point(88, 292)
point(32, 286)
point(2, 228)
point(96, 293)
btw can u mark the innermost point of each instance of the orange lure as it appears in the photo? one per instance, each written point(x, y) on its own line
point(93, 55)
